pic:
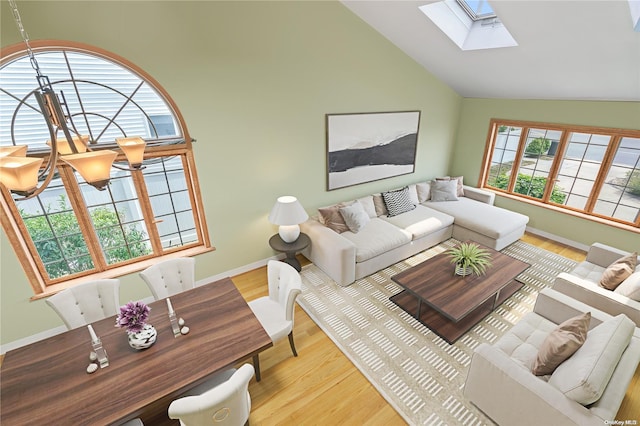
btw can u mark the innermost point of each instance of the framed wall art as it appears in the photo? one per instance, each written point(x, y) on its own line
point(364, 147)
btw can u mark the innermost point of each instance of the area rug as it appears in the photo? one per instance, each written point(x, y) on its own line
point(416, 371)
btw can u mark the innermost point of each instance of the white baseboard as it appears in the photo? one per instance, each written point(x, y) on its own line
point(61, 329)
point(561, 240)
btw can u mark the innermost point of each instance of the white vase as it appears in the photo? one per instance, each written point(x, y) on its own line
point(462, 271)
point(143, 339)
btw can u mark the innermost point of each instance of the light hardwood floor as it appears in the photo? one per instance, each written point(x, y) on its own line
point(321, 386)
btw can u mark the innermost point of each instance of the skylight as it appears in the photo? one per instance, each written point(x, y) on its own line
point(470, 24)
point(477, 9)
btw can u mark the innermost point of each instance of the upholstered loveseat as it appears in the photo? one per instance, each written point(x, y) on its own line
point(583, 283)
point(389, 234)
point(585, 389)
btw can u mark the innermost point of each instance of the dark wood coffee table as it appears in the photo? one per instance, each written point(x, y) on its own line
point(450, 305)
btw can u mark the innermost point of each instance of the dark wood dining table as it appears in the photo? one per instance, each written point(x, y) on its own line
point(46, 383)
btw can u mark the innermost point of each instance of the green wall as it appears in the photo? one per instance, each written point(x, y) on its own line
point(471, 140)
point(254, 81)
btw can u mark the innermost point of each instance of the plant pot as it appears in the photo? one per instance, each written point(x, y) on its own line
point(462, 271)
point(144, 338)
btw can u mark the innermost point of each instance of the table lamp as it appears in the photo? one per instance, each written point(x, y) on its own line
point(288, 213)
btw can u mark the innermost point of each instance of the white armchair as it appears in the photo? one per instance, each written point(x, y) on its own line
point(276, 311)
point(170, 277)
point(587, 389)
point(582, 283)
point(86, 303)
point(222, 400)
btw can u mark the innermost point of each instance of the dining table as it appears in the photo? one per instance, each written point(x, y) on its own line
point(47, 382)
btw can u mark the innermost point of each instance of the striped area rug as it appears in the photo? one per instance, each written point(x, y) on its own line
point(417, 372)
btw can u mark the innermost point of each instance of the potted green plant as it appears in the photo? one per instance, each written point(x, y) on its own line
point(470, 258)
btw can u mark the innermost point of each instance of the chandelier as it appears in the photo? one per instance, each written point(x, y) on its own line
point(21, 174)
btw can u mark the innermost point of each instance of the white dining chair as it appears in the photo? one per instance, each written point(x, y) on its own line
point(170, 277)
point(222, 400)
point(276, 311)
point(86, 303)
point(133, 422)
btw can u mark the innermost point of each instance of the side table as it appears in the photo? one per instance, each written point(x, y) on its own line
point(290, 249)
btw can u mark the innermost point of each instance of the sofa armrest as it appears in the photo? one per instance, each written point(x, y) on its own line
point(600, 298)
point(331, 252)
point(511, 395)
point(558, 307)
point(604, 255)
point(479, 194)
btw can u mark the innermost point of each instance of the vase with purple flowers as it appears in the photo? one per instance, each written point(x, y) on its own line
point(133, 316)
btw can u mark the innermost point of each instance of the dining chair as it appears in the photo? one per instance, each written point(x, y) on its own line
point(170, 277)
point(133, 422)
point(86, 303)
point(222, 400)
point(275, 311)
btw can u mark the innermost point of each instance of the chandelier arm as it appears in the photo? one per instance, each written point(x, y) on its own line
point(128, 169)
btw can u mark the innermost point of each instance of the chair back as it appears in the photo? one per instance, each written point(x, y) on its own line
point(86, 303)
point(228, 403)
point(285, 285)
point(170, 277)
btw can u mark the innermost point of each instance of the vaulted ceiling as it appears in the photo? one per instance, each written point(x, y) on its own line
point(576, 49)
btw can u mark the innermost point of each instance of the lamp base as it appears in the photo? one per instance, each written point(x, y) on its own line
point(289, 233)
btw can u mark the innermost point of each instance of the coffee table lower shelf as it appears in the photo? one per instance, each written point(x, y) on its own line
point(444, 327)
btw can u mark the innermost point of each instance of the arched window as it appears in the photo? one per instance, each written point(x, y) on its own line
point(71, 231)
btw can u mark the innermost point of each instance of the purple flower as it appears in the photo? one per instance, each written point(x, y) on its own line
point(133, 316)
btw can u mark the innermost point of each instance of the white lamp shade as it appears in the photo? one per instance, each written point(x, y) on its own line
point(133, 148)
point(65, 149)
point(288, 213)
point(94, 166)
point(13, 151)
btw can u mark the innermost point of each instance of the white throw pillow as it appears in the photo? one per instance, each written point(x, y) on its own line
point(630, 287)
point(585, 375)
point(368, 205)
point(355, 217)
point(444, 190)
point(424, 191)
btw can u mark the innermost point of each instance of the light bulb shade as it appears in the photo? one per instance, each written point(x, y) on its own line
point(13, 151)
point(64, 148)
point(94, 166)
point(133, 148)
point(287, 211)
point(20, 174)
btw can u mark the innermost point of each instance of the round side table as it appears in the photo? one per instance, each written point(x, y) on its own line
point(290, 249)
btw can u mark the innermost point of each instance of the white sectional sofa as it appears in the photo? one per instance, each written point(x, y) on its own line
point(585, 389)
point(583, 284)
point(385, 239)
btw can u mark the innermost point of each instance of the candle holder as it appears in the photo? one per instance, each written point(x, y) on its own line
point(173, 319)
point(96, 344)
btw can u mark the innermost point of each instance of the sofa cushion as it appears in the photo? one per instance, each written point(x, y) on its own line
point(331, 217)
point(398, 201)
point(355, 217)
point(459, 187)
point(585, 375)
point(378, 202)
point(444, 190)
point(485, 219)
point(522, 342)
point(561, 343)
point(368, 205)
point(618, 271)
point(630, 287)
point(588, 271)
point(424, 191)
point(420, 221)
point(376, 238)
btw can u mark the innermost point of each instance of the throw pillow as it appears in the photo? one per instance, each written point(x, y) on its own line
point(561, 343)
point(355, 217)
point(424, 191)
point(368, 205)
point(378, 202)
point(630, 287)
point(619, 271)
point(332, 218)
point(585, 375)
point(459, 179)
point(398, 201)
point(444, 190)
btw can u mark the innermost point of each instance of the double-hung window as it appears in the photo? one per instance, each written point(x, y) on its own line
point(71, 231)
point(587, 171)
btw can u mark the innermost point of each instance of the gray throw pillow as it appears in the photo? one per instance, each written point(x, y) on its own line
point(398, 201)
point(444, 190)
point(355, 217)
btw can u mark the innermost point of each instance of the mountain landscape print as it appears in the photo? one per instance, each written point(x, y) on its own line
point(370, 146)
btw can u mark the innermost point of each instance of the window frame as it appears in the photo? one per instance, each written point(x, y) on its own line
point(616, 135)
point(15, 228)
